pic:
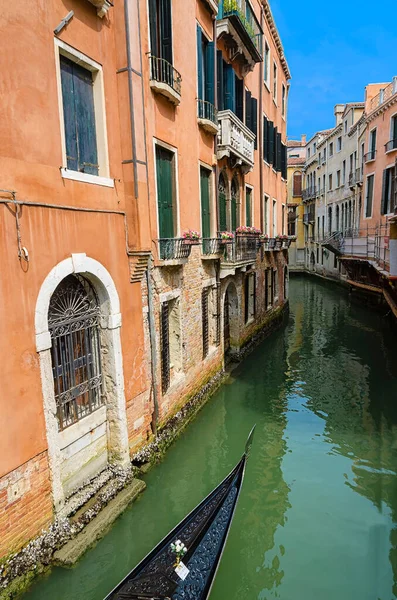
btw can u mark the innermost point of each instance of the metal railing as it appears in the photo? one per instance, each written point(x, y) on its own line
point(391, 145)
point(206, 110)
point(309, 192)
point(352, 178)
point(369, 156)
point(309, 216)
point(370, 243)
point(384, 94)
point(244, 12)
point(174, 248)
point(359, 175)
point(241, 249)
point(210, 246)
point(163, 71)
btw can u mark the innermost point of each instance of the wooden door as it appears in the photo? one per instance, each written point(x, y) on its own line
point(165, 192)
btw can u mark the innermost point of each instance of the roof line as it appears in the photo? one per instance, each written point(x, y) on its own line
point(276, 36)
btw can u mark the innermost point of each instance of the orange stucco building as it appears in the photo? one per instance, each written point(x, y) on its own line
point(123, 127)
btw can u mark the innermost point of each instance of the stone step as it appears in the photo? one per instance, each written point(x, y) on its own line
point(73, 550)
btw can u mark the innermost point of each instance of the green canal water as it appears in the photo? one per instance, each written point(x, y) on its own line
point(317, 516)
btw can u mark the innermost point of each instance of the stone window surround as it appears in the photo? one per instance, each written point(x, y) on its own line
point(115, 408)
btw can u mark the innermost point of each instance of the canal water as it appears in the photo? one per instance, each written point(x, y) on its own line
point(317, 516)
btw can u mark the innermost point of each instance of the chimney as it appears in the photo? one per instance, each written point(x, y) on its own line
point(303, 139)
point(338, 112)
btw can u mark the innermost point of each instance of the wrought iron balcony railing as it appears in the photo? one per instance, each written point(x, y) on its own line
point(391, 145)
point(211, 246)
point(241, 249)
point(207, 116)
point(174, 248)
point(370, 156)
point(245, 23)
point(162, 72)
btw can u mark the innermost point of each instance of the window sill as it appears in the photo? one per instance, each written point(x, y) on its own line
point(389, 151)
point(208, 125)
point(87, 178)
point(81, 428)
point(165, 90)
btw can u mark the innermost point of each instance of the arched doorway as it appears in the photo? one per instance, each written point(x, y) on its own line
point(77, 324)
point(230, 319)
point(235, 201)
point(222, 195)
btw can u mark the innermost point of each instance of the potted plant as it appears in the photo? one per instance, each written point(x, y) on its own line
point(226, 237)
point(247, 230)
point(279, 242)
point(284, 241)
point(264, 239)
point(191, 237)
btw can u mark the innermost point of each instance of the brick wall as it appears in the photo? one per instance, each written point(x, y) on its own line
point(25, 504)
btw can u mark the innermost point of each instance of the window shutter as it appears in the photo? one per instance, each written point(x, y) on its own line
point(166, 30)
point(248, 109)
point(230, 98)
point(254, 117)
point(384, 195)
point(271, 142)
point(239, 98)
point(297, 184)
point(153, 27)
point(69, 113)
point(85, 120)
point(278, 141)
point(394, 196)
point(283, 161)
point(200, 74)
point(265, 139)
point(210, 74)
point(219, 82)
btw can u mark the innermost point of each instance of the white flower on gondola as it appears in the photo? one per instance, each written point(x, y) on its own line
point(179, 549)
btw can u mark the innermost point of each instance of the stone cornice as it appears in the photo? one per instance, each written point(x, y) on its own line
point(276, 37)
point(381, 109)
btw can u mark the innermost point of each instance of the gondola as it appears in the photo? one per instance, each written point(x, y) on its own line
point(187, 571)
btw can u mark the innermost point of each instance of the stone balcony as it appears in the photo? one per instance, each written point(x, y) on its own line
point(235, 140)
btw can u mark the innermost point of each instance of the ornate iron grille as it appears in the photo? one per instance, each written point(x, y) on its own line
point(174, 248)
point(165, 348)
point(76, 356)
point(204, 312)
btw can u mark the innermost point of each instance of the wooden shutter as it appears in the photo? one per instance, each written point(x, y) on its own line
point(153, 19)
point(209, 72)
point(219, 79)
point(248, 109)
point(278, 142)
point(283, 160)
point(254, 117)
point(271, 142)
point(229, 83)
point(166, 30)
point(297, 184)
point(69, 113)
point(165, 192)
point(384, 193)
point(239, 83)
point(205, 203)
point(265, 139)
point(200, 74)
point(165, 347)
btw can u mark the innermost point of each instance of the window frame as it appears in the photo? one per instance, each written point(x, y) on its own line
point(275, 82)
point(103, 179)
point(157, 142)
point(251, 188)
point(366, 196)
point(339, 144)
point(283, 100)
point(266, 63)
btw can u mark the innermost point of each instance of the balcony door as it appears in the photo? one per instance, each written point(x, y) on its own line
point(160, 29)
point(234, 203)
point(165, 192)
point(205, 178)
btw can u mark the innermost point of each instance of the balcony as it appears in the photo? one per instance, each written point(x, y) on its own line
point(391, 145)
point(309, 217)
point(241, 252)
point(237, 22)
point(235, 139)
point(308, 193)
point(370, 156)
point(173, 251)
point(384, 95)
point(207, 116)
point(211, 248)
point(164, 79)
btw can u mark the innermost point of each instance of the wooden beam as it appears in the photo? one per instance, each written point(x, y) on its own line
point(364, 286)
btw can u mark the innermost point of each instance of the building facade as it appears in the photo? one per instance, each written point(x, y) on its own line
point(137, 126)
point(296, 158)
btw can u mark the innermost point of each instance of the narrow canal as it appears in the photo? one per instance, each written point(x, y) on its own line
point(317, 517)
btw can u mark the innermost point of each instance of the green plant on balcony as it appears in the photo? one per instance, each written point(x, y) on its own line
point(232, 6)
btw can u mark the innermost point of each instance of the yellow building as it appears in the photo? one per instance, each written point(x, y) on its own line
point(295, 165)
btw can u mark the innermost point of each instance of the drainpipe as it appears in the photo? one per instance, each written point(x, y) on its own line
point(260, 141)
point(153, 354)
point(131, 97)
point(216, 137)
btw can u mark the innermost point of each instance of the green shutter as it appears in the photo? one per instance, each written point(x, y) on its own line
point(153, 27)
point(265, 140)
point(219, 83)
point(200, 74)
point(230, 97)
point(248, 107)
point(248, 207)
point(166, 30)
point(165, 192)
point(254, 119)
point(69, 113)
point(271, 143)
point(205, 203)
point(278, 142)
point(209, 72)
point(239, 92)
point(384, 193)
point(233, 208)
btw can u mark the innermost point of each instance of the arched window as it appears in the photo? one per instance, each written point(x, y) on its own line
point(297, 184)
point(73, 320)
point(235, 193)
point(222, 189)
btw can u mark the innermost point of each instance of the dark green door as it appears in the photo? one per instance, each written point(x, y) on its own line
point(165, 192)
point(205, 203)
point(222, 204)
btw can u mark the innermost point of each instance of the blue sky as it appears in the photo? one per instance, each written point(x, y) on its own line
point(333, 50)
